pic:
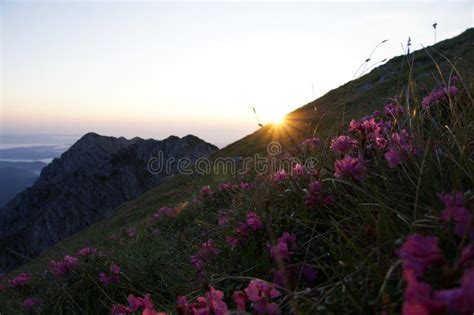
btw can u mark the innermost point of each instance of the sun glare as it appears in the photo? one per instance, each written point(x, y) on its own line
point(277, 118)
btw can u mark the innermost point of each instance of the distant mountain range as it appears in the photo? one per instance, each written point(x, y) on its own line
point(84, 185)
point(16, 176)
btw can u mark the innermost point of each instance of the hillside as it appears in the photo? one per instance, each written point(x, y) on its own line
point(370, 232)
point(330, 113)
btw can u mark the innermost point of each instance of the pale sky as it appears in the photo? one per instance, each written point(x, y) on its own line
point(152, 69)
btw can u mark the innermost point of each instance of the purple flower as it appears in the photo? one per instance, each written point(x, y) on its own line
point(60, 268)
point(223, 217)
point(438, 95)
point(211, 303)
point(206, 191)
point(298, 170)
point(393, 109)
point(393, 157)
point(20, 280)
point(226, 187)
point(419, 253)
point(87, 251)
point(350, 167)
point(284, 248)
point(457, 212)
point(254, 221)
point(246, 186)
point(311, 143)
point(418, 296)
point(206, 251)
point(459, 300)
point(165, 212)
point(343, 144)
point(280, 176)
point(261, 293)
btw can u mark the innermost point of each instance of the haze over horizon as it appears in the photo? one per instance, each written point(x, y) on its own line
point(156, 69)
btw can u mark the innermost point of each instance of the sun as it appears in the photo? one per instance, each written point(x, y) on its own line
point(277, 118)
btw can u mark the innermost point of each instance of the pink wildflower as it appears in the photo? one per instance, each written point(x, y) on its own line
point(210, 303)
point(393, 157)
point(87, 251)
point(113, 277)
point(343, 144)
point(280, 176)
point(232, 240)
point(206, 191)
point(457, 212)
point(246, 186)
point(20, 280)
point(459, 300)
point(254, 221)
point(438, 95)
point(311, 143)
point(419, 253)
point(298, 170)
point(284, 248)
point(226, 187)
point(261, 294)
point(418, 296)
point(60, 268)
point(240, 297)
point(393, 109)
point(223, 217)
point(206, 251)
point(137, 303)
point(350, 167)
point(165, 212)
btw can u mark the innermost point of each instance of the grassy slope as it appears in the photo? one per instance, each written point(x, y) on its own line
point(354, 99)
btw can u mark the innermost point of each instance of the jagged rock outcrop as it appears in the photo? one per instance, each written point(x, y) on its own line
point(84, 185)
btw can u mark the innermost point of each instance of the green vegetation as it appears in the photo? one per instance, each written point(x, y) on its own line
point(348, 230)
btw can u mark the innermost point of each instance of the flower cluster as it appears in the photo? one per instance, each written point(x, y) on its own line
point(62, 267)
point(209, 304)
point(20, 280)
point(456, 211)
point(252, 223)
point(261, 294)
point(350, 167)
point(166, 212)
point(206, 191)
point(393, 109)
point(280, 176)
point(311, 143)
point(87, 251)
point(315, 195)
point(438, 95)
point(112, 277)
point(419, 254)
point(284, 248)
point(206, 251)
point(400, 148)
point(343, 144)
point(135, 304)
